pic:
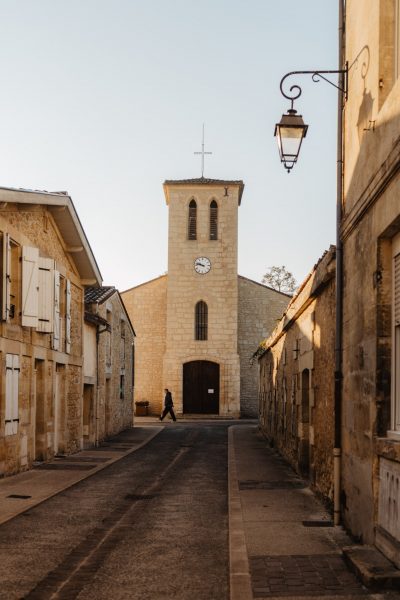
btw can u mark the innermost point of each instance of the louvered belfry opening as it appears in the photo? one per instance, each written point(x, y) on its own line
point(201, 318)
point(192, 223)
point(213, 220)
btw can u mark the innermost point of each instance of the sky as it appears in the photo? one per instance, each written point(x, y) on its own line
point(106, 100)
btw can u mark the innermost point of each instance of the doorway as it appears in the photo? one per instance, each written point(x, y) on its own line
point(88, 415)
point(201, 387)
point(40, 421)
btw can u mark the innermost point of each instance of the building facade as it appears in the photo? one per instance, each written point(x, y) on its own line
point(108, 365)
point(197, 326)
point(296, 393)
point(371, 252)
point(46, 261)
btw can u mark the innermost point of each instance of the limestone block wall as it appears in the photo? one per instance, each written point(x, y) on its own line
point(296, 388)
point(115, 389)
point(371, 219)
point(260, 307)
point(218, 288)
point(146, 305)
point(39, 421)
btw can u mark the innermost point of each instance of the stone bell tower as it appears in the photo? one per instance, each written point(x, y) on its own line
point(201, 362)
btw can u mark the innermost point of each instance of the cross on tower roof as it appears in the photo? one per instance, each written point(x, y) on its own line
point(202, 154)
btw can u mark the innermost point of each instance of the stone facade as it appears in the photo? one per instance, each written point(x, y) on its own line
point(296, 393)
point(163, 310)
point(371, 222)
point(260, 307)
point(45, 263)
point(108, 366)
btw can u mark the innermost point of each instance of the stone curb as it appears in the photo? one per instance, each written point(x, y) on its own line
point(239, 579)
point(70, 484)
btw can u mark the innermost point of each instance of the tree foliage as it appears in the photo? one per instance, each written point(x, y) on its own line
point(279, 278)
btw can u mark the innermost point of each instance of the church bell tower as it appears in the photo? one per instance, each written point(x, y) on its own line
point(201, 362)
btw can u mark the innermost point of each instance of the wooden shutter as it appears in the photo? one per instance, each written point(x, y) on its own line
point(213, 220)
point(56, 327)
point(6, 302)
point(201, 319)
point(46, 295)
point(192, 223)
point(30, 286)
point(68, 316)
point(12, 380)
point(396, 335)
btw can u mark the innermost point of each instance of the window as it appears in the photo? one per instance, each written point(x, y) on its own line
point(213, 220)
point(396, 335)
point(122, 387)
point(201, 319)
point(192, 222)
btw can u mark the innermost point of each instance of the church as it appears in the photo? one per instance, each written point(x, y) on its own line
point(198, 326)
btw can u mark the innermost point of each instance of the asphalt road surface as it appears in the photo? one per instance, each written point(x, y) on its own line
point(153, 525)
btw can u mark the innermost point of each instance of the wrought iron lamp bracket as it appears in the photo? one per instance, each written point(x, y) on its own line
point(316, 76)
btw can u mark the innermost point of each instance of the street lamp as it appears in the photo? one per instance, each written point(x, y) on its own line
point(291, 130)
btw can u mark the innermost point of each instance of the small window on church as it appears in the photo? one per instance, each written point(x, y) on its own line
point(201, 318)
point(192, 222)
point(213, 220)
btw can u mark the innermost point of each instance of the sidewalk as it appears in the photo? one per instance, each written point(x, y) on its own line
point(282, 540)
point(25, 490)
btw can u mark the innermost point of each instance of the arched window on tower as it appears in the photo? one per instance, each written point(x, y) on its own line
point(213, 220)
point(192, 221)
point(201, 321)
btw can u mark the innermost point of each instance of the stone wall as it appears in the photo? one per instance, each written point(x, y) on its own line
point(296, 390)
point(146, 305)
point(260, 307)
point(32, 225)
point(371, 219)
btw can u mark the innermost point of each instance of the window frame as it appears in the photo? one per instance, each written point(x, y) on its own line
point(201, 321)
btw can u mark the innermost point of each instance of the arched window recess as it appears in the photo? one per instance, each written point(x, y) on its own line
point(201, 321)
point(192, 220)
point(213, 220)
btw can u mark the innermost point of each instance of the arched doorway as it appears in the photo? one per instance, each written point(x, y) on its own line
point(201, 387)
point(304, 447)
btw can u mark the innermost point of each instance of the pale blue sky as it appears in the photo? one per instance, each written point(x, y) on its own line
point(106, 99)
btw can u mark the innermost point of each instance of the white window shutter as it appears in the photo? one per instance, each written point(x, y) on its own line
point(12, 376)
point(30, 286)
point(6, 301)
point(46, 295)
point(68, 316)
point(56, 333)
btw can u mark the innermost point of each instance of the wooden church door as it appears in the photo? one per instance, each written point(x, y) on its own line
point(201, 387)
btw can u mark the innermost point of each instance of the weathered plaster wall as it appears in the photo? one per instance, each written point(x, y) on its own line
point(259, 309)
point(296, 390)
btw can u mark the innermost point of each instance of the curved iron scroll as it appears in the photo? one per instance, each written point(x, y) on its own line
point(295, 90)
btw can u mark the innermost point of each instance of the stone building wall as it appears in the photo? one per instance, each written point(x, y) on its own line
point(115, 394)
point(146, 305)
point(296, 389)
point(259, 309)
point(43, 429)
point(370, 447)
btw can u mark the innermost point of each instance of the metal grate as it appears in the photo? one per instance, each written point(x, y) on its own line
point(294, 484)
point(316, 523)
point(20, 496)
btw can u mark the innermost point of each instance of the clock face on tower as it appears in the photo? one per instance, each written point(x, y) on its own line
point(202, 265)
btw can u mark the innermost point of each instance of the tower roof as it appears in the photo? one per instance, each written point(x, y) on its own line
point(204, 181)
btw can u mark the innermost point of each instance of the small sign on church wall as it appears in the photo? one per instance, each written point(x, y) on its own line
point(210, 391)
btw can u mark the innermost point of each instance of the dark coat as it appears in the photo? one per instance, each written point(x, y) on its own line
point(168, 400)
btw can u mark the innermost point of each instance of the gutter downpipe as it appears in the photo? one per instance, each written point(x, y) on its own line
point(339, 280)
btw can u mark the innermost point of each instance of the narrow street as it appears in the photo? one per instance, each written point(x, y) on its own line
point(152, 525)
point(159, 524)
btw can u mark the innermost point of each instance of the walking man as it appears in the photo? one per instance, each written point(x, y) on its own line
point(168, 404)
